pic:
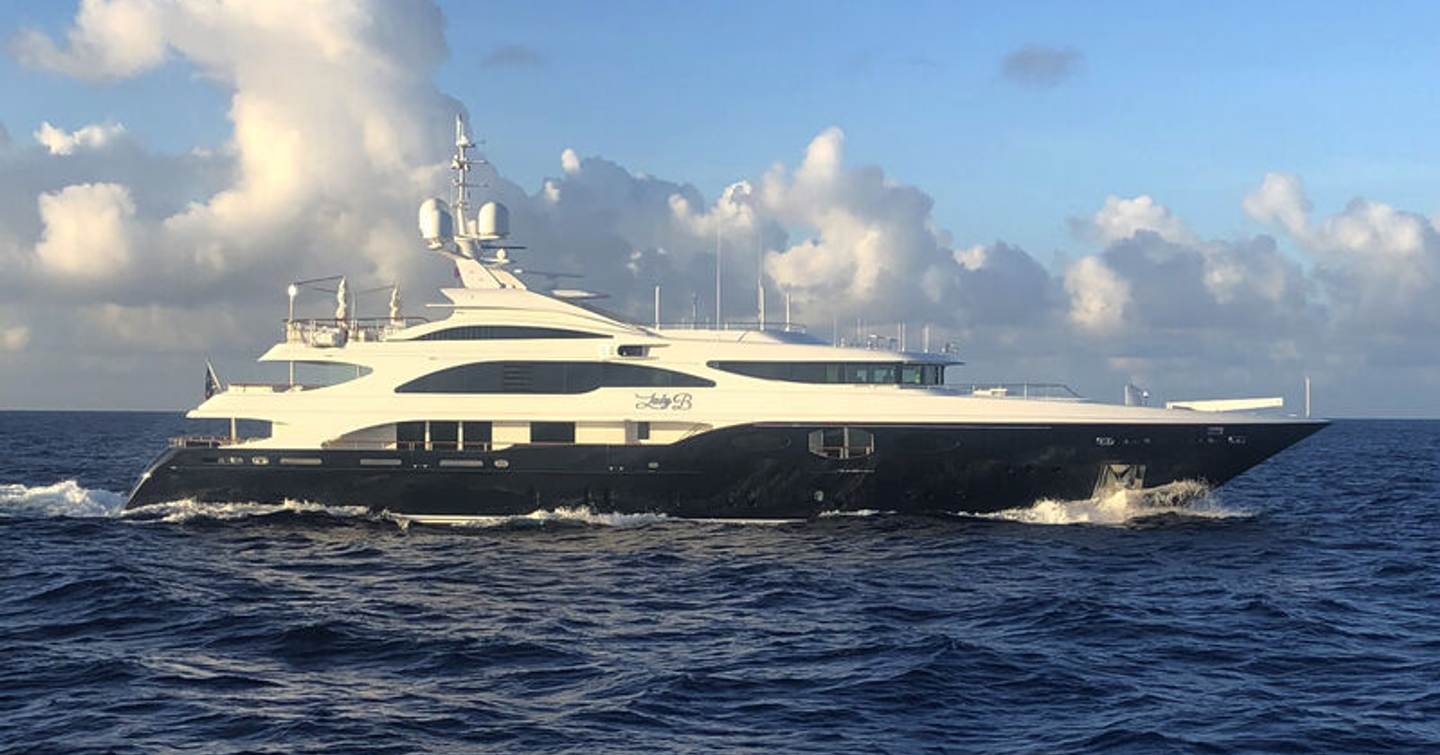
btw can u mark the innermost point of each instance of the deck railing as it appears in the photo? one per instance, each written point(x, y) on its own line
point(1024, 391)
point(326, 333)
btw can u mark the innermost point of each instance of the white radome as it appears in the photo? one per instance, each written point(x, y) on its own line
point(493, 221)
point(436, 224)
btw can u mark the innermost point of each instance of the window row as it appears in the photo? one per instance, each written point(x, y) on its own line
point(443, 436)
point(864, 373)
point(502, 332)
point(548, 377)
point(450, 435)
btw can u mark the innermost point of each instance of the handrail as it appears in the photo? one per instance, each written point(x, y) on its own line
point(1021, 391)
point(731, 325)
point(206, 441)
point(330, 332)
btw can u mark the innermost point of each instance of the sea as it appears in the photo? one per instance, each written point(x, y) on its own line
point(1294, 610)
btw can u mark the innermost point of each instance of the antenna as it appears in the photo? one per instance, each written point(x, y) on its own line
point(717, 274)
point(760, 275)
point(657, 306)
point(1307, 397)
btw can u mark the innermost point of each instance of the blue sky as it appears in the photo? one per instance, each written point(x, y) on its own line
point(1191, 103)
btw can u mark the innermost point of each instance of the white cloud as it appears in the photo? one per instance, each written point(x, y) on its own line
point(109, 39)
point(1098, 297)
point(1120, 219)
point(89, 232)
point(94, 136)
point(569, 161)
point(1379, 265)
point(1280, 199)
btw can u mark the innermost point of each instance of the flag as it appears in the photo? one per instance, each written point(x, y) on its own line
point(212, 381)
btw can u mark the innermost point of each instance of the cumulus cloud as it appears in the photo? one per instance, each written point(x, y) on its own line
point(1098, 297)
point(90, 232)
point(94, 136)
point(1121, 218)
point(1040, 66)
point(1378, 264)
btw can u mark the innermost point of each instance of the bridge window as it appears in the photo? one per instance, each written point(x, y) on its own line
point(501, 332)
point(859, 373)
point(842, 443)
point(549, 377)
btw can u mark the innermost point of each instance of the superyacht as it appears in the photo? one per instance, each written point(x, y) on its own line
point(521, 400)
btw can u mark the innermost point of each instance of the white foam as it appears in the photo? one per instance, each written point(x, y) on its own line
point(562, 514)
point(856, 512)
point(189, 510)
point(66, 498)
point(1184, 498)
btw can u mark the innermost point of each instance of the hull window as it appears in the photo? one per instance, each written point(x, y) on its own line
point(842, 443)
point(552, 432)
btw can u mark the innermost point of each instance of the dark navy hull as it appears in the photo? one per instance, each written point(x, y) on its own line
point(747, 472)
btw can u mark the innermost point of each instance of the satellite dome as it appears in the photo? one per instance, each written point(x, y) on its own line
point(493, 220)
point(437, 226)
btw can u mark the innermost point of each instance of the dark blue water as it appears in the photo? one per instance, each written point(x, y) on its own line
point(1298, 611)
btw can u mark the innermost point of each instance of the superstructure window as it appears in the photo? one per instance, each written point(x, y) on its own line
point(858, 373)
point(502, 332)
point(444, 436)
point(552, 432)
point(410, 435)
point(549, 377)
point(477, 435)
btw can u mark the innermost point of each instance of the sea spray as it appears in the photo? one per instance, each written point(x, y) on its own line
point(1121, 507)
point(65, 498)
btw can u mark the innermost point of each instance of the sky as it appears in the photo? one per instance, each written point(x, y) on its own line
point(1207, 200)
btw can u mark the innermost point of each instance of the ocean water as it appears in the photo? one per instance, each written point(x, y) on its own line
point(1294, 610)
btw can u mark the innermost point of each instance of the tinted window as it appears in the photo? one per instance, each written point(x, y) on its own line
point(409, 434)
point(548, 377)
point(552, 432)
point(477, 434)
point(444, 435)
point(875, 373)
point(500, 332)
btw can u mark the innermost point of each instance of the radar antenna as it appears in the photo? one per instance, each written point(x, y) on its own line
point(477, 244)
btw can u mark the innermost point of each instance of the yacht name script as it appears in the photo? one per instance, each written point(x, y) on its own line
point(679, 402)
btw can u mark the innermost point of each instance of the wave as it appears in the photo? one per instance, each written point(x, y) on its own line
point(66, 498)
point(583, 515)
point(1186, 498)
point(176, 512)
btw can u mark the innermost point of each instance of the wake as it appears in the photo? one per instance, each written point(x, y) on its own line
point(66, 498)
